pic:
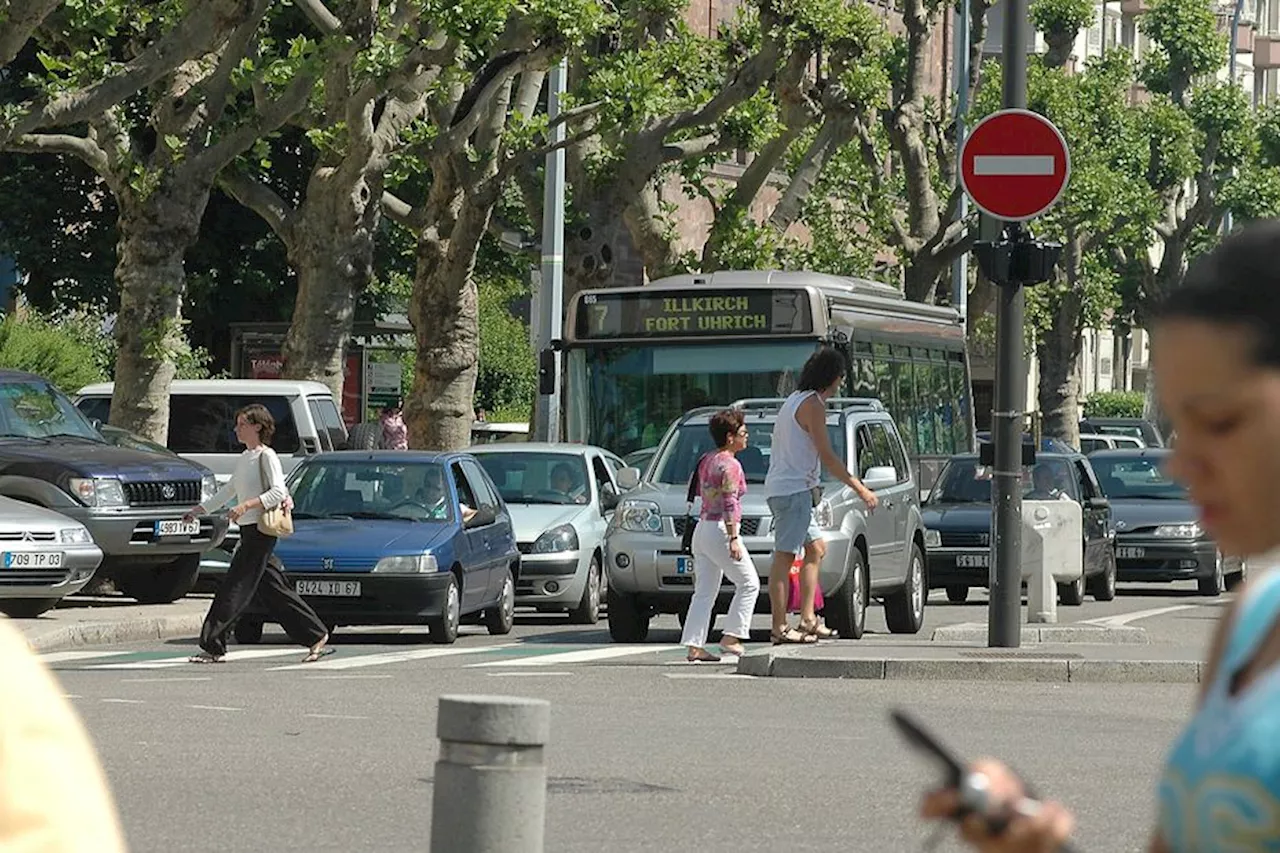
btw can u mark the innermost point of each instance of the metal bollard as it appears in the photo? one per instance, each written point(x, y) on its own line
point(491, 778)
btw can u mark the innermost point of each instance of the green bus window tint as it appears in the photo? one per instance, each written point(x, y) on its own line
point(880, 350)
point(945, 407)
point(905, 401)
point(863, 382)
point(926, 409)
point(960, 393)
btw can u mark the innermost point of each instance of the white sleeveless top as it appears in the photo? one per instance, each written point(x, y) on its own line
point(794, 465)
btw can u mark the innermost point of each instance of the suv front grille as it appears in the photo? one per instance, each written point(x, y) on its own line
point(176, 493)
point(749, 526)
point(965, 539)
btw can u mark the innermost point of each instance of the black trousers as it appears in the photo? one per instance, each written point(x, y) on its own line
point(253, 572)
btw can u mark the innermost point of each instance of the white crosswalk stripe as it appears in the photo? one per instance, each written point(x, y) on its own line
point(238, 655)
point(69, 657)
point(338, 661)
point(581, 656)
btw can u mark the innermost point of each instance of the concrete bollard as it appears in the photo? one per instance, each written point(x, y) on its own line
point(491, 778)
point(1042, 595)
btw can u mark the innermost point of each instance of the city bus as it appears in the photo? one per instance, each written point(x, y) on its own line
point(636, 358)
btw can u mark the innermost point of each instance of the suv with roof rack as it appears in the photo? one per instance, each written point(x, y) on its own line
point(881, 554)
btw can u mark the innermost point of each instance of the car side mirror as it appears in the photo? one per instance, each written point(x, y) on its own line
point(96, 423)
point(1098, 503)
point(880, 477)
point(484, 516)
point(628, 478)
point(609, 499)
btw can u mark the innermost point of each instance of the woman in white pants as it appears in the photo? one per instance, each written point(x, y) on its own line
point(717, 548)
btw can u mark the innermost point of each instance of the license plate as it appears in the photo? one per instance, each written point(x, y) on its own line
point(684, 565)
point(177, 528)
point(973, 561)
point(33, 560)
point(1130, 553)
point(346, 589)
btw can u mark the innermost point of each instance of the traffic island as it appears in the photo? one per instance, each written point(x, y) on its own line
point(976, 632)
point(81, 622)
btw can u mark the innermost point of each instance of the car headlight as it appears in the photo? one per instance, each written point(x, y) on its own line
point(932, 539)
point(208, 487)
point(557, 539)
point(639, 516)
point(98, 491)
point(75, 536)
point(410, 564)
point(1180, 531)
point(824, 516)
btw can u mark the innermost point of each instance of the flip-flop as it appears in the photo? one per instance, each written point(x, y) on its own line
point(732, 652)
point(205, 658)
point(312, 657)
point(709, 658)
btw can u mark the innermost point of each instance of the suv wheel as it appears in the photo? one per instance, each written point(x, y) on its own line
point(365, 436)
point(162, 584)
point(1103, 586)
point(26, 608)
point(846, 609)
point(904, 609)
point(628, 619)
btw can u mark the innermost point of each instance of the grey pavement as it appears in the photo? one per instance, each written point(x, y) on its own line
point(96, 620)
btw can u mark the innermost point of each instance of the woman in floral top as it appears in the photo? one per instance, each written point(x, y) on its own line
point(717, 548)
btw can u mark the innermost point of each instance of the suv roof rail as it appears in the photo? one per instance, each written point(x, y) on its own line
point(701, 410)
point(837, 403)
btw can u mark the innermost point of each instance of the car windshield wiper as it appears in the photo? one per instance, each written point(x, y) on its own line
point(1146, 496)
point(76, 436)
point(386, 516)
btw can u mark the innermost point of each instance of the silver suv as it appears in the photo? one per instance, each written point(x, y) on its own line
point(879, 554)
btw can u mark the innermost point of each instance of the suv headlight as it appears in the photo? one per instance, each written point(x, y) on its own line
point(98, 491)
point(208, 487)
point(1180, 531)
point(824, 516)
point(639, 516)
point(557, 539)
point(932, 539)
point(407, 565)
point(75, 536)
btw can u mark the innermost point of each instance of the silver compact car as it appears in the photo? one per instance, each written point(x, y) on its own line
point(878, 554)
point(44, 556)
point(561, 498)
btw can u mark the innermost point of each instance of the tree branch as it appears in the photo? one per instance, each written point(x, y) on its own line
point(262, 200)
point(216, 157)
point(836, 131)
point(18, 25)
point(320, 16)
point(746, 81)
point(401, 212)
point(529, 157)
point(870, 156)
point(491, 82)
point(80, 147)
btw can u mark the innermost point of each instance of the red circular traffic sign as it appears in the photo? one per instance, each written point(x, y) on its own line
point(1014, 165)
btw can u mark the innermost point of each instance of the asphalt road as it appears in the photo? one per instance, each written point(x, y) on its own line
point(648, 753)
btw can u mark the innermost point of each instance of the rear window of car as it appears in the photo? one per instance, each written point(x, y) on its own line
point(205, 423)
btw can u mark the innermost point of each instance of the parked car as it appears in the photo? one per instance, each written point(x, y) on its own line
point(958, 519)
point(1158, 532)
point(484, 432)
point(1092, 443)
point(639, 459)
point(131, 501)
point(395, 537)
point(1138, 428)
point(44, 557)
point(879, 554)
point(561, 497)
point(202, 418)
point(1047, 444)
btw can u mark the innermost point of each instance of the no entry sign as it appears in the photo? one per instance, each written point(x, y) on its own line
point(1014, 165)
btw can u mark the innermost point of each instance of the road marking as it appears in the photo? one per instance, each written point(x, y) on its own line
point(214, 708)
point(159, 680)
point(72, 696)
point(239, 655)
point(125, 701)
point(344, 677)
point(701, 675)
point(63, 657)
point(341, 662)
point(333, 717)
point(582, 656)
point(1122, 619)
point(1013, 164)
point(524, 674)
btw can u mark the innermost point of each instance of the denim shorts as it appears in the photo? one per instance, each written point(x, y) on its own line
point(793, 525)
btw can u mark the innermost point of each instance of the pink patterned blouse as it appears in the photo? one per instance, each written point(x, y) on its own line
point(722, 485)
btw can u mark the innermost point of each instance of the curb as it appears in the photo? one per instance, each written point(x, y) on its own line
point(1032, 634)
point(1062, 670)
point(107, 633)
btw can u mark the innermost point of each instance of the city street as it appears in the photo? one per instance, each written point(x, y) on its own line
point(647, 752)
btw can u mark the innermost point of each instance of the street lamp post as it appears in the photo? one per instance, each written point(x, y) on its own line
point(1231, 66)
point(550, 300)
point(960, 267)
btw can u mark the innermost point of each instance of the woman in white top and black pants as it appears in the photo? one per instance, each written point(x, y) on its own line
point(252, 571)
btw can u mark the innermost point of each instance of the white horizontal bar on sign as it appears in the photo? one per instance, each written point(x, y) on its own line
point(583, 656)
point(1013, 165)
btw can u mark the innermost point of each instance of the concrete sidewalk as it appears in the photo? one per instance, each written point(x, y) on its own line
point(103, 620)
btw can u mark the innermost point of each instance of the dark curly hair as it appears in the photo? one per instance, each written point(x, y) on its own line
point(725, 424)
point(824, 367)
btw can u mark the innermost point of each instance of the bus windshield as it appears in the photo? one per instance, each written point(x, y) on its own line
point(625, 397)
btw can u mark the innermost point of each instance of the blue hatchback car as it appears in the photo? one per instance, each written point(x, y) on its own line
point(398, 538)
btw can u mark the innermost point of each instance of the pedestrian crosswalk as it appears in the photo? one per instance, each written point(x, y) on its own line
point(519, 656)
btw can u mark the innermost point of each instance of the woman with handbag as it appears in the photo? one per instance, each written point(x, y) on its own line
point(716, 546)
point(261, 511)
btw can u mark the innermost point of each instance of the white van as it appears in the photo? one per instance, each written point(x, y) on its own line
point(202, 418)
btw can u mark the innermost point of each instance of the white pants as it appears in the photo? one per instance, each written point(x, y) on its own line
point(711, 563)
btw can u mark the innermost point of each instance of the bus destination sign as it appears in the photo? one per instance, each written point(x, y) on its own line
point(694, 313)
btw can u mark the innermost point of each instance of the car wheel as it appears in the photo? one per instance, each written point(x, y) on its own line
point(500, 618)
point(588, 610)
point(1103, 586)
point(364, 436)
point(27, 608)
point(847, 608)
point(162, 584)
point(444, 628)
point(628, 619)
point(1071, 594)
point(248, 631)
point(1236, 579)
point(957, 594)
point(1215, 584)
point(904, 609)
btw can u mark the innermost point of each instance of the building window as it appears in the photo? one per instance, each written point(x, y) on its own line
point(1104, 366)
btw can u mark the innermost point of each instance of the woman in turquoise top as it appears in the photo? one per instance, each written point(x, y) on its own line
point(1216, 357)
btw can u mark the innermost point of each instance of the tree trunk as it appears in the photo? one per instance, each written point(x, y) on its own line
point(1057, 352)
point(332, 252)
point(155, 233)
point(599, 249)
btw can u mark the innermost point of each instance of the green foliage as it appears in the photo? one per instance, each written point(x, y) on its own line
point(1062, 16)
point(1114, 404)
point(64, 352)
point(1188, 45)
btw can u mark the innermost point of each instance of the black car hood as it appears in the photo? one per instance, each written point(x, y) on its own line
point(1130, 514)
point(54, 460)
point(966, 516)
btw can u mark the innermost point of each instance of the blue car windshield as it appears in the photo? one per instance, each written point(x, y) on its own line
point(364, 489)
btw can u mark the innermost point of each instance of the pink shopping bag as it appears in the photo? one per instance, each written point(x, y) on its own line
point(793, 599)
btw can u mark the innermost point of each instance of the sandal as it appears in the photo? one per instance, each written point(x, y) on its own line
point(205, 657)
point(819, 631)
point(702, 657)
point(324, 652)
point(792, 637)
